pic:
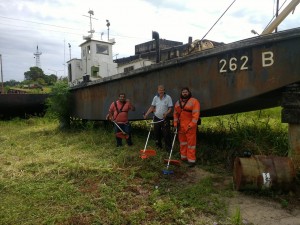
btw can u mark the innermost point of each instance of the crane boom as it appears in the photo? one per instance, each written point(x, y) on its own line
point(290, 7)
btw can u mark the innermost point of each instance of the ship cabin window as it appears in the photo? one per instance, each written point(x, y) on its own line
point(102, 49)
point(127, 69)
point(88, 49)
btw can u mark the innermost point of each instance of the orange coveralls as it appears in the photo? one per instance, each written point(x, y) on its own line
point(187, 117)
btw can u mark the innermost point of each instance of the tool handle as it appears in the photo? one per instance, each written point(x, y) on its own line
point(175, 134)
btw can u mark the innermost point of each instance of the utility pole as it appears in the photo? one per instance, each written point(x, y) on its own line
point(70, 50)
point(55, 71)
point(2, 87)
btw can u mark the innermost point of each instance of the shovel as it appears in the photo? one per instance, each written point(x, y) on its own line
point(121, 134)
point(169, 161)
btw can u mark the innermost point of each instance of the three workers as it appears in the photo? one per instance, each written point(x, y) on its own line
point(185, 117)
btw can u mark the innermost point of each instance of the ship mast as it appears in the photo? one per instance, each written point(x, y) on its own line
point(91, 31)
point(291, 6)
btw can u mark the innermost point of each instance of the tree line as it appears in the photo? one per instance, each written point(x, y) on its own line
point(35, 75)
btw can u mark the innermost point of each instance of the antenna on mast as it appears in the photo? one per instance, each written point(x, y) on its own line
point(91, 31)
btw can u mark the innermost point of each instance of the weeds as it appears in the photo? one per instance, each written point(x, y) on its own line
point(259, 132)
point(77, 176)
point(237, 218)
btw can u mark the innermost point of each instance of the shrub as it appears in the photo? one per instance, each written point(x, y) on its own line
point(59, 103)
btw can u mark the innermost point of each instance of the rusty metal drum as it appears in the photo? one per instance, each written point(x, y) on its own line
point(264, 172)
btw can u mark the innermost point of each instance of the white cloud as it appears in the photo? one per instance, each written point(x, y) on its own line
point(52, 24)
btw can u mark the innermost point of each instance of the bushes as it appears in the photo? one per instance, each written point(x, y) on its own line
point(59, 103)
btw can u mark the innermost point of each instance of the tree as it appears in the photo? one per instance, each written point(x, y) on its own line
point(51, 79)
point(11, 83)
point(41, 81)
point(34, 73)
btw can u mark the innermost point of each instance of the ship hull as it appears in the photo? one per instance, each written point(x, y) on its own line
point(22, 105)
point(242, 76)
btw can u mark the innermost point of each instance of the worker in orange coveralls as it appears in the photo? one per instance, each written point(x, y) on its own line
point(186, 115)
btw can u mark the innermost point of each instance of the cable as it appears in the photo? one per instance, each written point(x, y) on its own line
point(274, 15)
point(27, 21)
point(64, 32)
point(217, 20)
point(30, 28)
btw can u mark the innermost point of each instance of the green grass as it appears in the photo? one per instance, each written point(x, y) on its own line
point(78, 176)
point(260, 132)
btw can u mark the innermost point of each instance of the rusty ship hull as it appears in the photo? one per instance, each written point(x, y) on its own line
point(247, 75)
point(22, 105)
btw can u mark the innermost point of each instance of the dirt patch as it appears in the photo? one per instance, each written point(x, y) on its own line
point(263, 211)
point(253, 210)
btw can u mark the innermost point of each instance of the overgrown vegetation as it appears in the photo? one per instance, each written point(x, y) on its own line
point(77, 176)
point(260, 132)
point(35, 81)
point(58, 104)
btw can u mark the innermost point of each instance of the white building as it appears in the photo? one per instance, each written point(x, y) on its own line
point(96, 61)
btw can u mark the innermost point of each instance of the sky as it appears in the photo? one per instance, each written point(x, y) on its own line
point(53, 25)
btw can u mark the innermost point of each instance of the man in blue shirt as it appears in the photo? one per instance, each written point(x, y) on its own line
point(161, 106)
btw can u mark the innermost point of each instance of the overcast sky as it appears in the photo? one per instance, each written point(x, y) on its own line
point(52, 24)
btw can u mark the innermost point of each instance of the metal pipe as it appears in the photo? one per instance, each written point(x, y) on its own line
point(2, 87)
point(277, 9)
point(155, 36)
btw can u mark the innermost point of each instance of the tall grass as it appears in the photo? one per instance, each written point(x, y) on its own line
point(78, 176)
point(260, 132)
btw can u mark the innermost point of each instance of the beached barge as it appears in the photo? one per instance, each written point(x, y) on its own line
point(242, 76)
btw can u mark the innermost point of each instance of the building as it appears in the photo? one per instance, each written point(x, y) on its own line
point(97, 60)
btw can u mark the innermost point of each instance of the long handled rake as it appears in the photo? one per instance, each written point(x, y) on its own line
point(167, 171)
point(121, 134)
point(145, 153)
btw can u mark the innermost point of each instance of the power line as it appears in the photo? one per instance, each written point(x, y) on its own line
point(28, 21)
point(218, 20)
point(30, 28)
point(64, 32)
